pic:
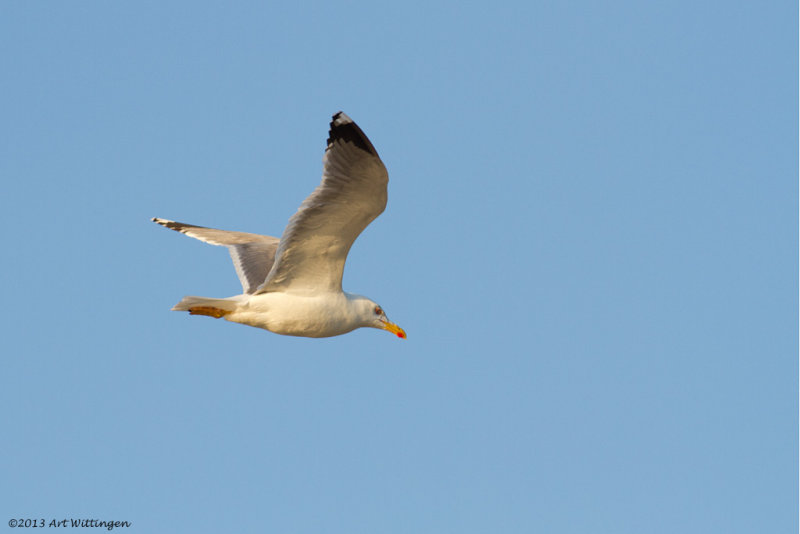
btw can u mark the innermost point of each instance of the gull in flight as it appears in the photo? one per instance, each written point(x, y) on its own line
point(293, 285)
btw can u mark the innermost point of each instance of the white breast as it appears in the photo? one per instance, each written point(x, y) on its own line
point(321, 315)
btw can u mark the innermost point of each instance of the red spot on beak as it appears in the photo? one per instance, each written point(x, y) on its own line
point(401, 335)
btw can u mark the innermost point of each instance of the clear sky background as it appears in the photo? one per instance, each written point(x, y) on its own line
point(591, 240)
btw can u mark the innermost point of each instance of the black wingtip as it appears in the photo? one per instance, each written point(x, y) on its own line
point(174, 225)
point(345, 130)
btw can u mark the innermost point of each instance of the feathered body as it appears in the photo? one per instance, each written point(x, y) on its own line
point(293, 285)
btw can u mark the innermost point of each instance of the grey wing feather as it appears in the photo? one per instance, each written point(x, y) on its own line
point(252, 254)
point(315, 243)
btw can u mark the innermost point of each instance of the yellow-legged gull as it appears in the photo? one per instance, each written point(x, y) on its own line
point(293, 285)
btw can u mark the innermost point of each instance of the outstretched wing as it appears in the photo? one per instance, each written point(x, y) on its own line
point(252, 254)
point(315, 243)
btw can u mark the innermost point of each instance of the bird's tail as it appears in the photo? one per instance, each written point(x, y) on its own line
point(206, 306)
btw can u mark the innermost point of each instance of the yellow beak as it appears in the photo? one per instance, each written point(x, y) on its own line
point(394, 329)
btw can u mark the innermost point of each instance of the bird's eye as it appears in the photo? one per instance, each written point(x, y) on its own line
point(378, 310)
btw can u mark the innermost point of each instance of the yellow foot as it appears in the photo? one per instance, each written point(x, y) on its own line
point(209, 311)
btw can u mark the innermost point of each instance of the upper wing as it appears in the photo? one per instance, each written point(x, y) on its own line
point(315, 243)
point(252, 254)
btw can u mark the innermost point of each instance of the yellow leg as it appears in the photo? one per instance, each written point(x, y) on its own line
point(209, 311)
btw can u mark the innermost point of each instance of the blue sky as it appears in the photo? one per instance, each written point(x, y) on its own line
point(591, 241)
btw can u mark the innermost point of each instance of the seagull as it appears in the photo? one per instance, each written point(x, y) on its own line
point(293, 285)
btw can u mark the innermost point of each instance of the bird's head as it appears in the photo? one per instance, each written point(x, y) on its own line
point(374, 317)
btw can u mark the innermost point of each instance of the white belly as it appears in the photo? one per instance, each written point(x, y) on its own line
point(294, 315)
